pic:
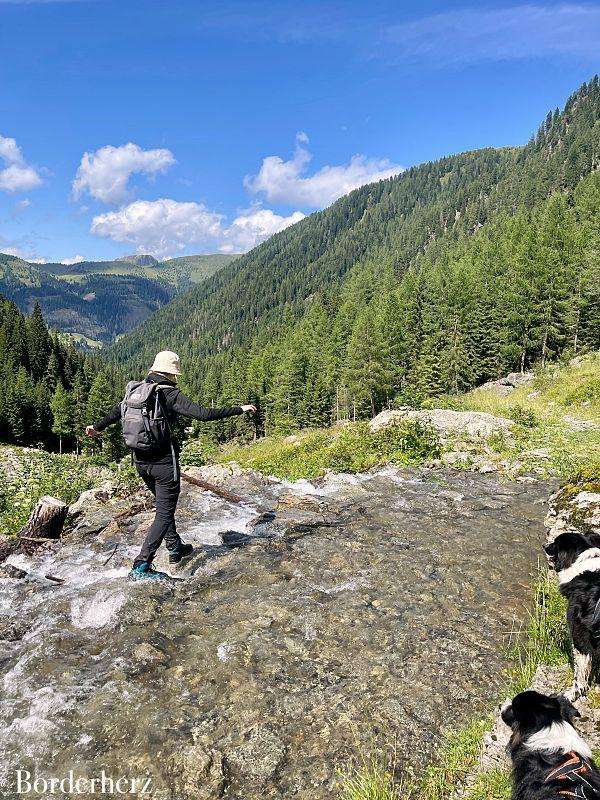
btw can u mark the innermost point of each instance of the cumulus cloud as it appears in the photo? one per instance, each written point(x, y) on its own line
point(159, 226)
point(75, 260)
point(166, 227)
point(254, 226)
point(286, 182)
point(17, 175)
point(105, 173)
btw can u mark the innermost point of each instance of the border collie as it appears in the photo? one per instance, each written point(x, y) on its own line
point(577, 562)
point(550, 760)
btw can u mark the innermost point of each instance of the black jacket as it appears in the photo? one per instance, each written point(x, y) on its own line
point(174, 402)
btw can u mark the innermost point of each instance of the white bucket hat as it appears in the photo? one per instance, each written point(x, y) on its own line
point(166, 361)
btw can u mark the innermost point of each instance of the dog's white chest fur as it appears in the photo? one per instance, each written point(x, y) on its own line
point(588, 561)
point(559, 736)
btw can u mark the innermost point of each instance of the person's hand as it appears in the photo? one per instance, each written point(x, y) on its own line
point(249, 408)
point(91, 431)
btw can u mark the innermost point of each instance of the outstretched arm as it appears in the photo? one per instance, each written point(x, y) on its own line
point(183, 405)
point(114, 415)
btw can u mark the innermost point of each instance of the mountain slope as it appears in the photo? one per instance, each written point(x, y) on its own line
point(96, 301)
point(180, 273)
point(402, 217)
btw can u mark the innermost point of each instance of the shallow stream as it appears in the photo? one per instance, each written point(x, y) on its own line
point(372, 612)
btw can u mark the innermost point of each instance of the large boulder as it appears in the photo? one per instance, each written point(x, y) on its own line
point(573, 507)
point(448, 424)
point(507, 385)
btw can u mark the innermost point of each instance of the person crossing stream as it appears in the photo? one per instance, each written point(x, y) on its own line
point(147, 414)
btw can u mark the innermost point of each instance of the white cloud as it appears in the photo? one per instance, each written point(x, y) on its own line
point(75, 260)
point(254, 226)
point(104, 174)
point(17, 175)
point(160, 227)
point(166, 227)
point(285, 181)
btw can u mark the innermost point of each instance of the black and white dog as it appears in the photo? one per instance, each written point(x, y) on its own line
point(576, 558)
point(550, 760)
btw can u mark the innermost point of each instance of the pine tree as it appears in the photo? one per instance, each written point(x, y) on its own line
point(364, 371)
point(62, 409)
point(38, 343)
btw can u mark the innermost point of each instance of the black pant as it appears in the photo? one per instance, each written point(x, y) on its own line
point(159, 478)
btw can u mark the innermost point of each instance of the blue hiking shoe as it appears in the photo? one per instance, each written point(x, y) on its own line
point(183, 551)
point(145, 572)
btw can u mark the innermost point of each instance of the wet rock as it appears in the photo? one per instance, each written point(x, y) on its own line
point(258, 757)
point(198, 773)
point(8, 545)
point(9, 571)
point(148, 654)
point(448, 423)
point(92, 499)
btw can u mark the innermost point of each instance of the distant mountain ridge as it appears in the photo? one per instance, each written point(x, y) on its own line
point(97, 301)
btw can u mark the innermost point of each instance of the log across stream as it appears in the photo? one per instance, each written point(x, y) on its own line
point(372, 611)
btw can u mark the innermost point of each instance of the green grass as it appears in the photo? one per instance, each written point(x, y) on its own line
point(36, 473)
point(352, 448)
point(545, 639)
point(372, 780)
point(540, 408)
point(491, 785)
point(458, 755)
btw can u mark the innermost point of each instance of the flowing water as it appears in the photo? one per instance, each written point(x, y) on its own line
point(371, 612)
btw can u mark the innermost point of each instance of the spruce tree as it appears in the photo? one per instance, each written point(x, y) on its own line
point(62, 409)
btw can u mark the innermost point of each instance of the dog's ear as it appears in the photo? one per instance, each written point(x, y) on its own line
point(551, 549)
point(507, 714)
point(567, 710)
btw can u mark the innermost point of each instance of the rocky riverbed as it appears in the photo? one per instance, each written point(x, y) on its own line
point(370, 612)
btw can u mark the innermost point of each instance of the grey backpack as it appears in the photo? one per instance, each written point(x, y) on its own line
point(144, 420)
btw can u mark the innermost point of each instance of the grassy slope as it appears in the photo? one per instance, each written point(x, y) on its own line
point(557, 394)
point(179, 272)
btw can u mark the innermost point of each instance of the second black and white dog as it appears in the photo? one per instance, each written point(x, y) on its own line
point(576, 558)
point(550, 760)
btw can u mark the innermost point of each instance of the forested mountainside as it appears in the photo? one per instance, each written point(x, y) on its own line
point(442, 277)
point(49, 390)
point(96, 301)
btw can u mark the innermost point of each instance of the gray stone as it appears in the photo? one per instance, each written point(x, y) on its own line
point(448, 423)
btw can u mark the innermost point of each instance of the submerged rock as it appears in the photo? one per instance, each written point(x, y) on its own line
point(371, 609)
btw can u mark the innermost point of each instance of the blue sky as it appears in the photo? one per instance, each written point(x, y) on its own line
point(187, 126)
